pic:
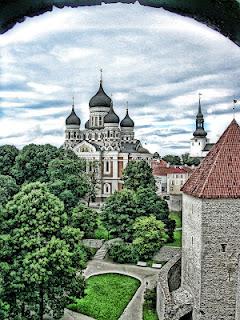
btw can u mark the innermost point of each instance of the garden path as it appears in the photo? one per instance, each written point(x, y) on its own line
point(147, 276)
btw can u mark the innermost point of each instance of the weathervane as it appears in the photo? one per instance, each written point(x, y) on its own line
point(101, 71)
point(127, 106)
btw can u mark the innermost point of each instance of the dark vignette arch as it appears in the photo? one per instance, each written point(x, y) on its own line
point(221, 15)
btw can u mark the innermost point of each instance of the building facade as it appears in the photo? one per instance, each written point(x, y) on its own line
point(106, 143)
point(169, 181)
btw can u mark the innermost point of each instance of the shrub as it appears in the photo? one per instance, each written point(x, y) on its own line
point(122, 252)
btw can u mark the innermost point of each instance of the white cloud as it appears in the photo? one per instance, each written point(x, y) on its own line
point(156, 60)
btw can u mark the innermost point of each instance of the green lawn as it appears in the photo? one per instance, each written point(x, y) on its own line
point(177, 239)
point(106, 296)
point(177, 217)
point(149, 314)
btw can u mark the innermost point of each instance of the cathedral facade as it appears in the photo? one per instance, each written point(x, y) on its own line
point(105, 142)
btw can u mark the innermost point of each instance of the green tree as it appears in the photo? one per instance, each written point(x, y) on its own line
point(8, 155)
point(172, 159)
point(149, 236)
point(8, 187)
point(68, 180)
point(186, 159)
point(138, 174)
point(41, 256)
point(93, 181)
point(31, 164)
point(85, 219)
point(149, 203)
point(119, 213)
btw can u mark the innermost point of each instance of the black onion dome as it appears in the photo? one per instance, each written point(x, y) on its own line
point(101, 99)
point(111, 117)
point(127, 121)
point(73, 119)
point(200, 132)
point(87, 125)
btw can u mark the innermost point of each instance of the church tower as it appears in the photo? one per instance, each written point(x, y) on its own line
point(72, 132)
point(199, 140)
point(211, 237)
point(127, 128)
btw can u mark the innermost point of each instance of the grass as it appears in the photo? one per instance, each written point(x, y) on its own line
point(149, 314)
point(106, 296)
point(149, 305)
point(177, 240)
point(177, 217)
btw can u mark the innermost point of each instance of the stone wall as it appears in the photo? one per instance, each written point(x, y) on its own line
point(93, 243)
point(175, 202)
point(174, 276)
point(192, 245)
point(164, 297)
point(210, 256)
point(220, 260)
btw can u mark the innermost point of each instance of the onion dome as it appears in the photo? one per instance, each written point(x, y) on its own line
point(111, 117)
point(101, 99)
point(73, 119)
point(87, 125)
point(127, 121)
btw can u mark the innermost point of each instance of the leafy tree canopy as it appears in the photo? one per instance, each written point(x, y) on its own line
point(85, 219)
point(32, 162)
point(172, 159)
point(138, 174)
point(186, 159)
point(8, 154)
point(119, 212)
point(8, 187)
point(149, 235)
point(68, 180)
point(41, 256)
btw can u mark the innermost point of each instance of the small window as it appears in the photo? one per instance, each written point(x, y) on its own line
point(199, 143)
point(223, 245)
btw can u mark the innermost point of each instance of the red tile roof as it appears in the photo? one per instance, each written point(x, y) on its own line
point(158, 170)
point(218, 176)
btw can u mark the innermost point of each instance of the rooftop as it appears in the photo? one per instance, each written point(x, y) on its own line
point(218, 176)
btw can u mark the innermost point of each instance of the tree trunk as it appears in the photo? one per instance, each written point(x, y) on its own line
point(41, 303)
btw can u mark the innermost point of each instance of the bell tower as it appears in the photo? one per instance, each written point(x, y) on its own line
point(199, 140)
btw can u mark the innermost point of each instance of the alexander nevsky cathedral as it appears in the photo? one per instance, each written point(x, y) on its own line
point(106, 141)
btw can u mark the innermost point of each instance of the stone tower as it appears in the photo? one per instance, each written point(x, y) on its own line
point(199, 140)
point(211, 231)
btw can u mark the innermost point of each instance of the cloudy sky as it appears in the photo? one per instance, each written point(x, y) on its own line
point(156, 60)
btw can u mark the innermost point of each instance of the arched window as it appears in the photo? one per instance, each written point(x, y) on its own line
point(107, 166)
point(107, 188)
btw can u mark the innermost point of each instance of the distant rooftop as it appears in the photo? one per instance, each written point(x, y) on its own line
point(218, 176)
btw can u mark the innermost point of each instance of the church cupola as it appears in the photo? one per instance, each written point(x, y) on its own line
point(73, 119)
point(100, 99)
point(99, 107)
point(72, 132)
point(199, 132)
point(127, 122)
point(111, 119)
point(127, 128)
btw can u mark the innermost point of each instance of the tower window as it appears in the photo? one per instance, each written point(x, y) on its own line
point(223, 245)
point(199, 143)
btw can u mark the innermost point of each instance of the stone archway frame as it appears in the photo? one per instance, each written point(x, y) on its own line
point(221, 15)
